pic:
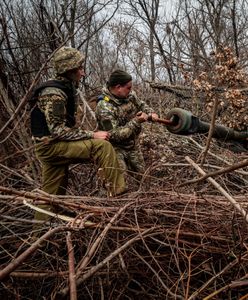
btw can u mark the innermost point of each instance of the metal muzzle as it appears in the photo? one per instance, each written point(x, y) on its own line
point(183, 122)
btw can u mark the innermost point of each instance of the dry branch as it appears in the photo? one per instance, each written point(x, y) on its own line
point(223, 192)
point(20, 259)
point(234, 167)
point(71, 261)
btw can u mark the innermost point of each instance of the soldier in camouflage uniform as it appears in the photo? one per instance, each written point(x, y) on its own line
point(58, 142)
point(120, 112)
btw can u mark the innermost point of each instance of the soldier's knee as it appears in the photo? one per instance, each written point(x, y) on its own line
point(103, 150)
point(106, 146)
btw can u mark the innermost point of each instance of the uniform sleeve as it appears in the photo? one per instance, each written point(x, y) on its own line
point(107, 118)
point(142, 105)
point(54, 109)
point(146, 108)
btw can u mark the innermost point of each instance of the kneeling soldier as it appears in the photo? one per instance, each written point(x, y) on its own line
point(58, 143)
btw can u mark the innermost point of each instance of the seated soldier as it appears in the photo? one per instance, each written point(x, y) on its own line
point(120, 112)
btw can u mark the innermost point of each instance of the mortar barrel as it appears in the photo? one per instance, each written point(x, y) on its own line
point(185, 123)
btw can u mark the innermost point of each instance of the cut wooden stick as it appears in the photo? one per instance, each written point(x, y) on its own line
point(243, 163)
point(20, 259)
point(71, 262)
point(219, 188)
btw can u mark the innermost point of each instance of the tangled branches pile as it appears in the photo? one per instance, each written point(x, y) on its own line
point(159, 241)
point(160, 245)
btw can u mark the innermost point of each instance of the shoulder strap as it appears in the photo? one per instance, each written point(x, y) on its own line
point(50, 83)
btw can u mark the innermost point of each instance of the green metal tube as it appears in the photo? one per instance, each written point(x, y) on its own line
point(184, 123)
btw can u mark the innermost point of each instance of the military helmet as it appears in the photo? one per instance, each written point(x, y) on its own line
point(66, 59)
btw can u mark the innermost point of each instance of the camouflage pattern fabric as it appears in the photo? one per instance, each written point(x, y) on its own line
point(67, 145)
point(117, 117)
point(66, 59)
point(131, 160)
point(52, 101)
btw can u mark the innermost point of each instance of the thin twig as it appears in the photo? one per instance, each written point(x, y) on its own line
point(110, 257)
point(219, 188)
point(88, 256)
point(71, 261)
point(20, 259)
point(229, 169)
point(196, 294)
point(210, 132)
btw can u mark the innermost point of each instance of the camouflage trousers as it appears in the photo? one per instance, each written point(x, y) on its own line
point(131, 160)
point(56, 158)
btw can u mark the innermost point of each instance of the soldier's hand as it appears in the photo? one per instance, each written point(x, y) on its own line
point(153, 117)
point(141, 117)
point(101, 135)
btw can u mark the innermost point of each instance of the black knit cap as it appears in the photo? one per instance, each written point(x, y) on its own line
point(118, 77)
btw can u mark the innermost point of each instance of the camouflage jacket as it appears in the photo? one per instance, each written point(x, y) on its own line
point(52, 102)
point(117, 117)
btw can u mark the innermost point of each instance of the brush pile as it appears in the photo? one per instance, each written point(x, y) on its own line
point(164, 239)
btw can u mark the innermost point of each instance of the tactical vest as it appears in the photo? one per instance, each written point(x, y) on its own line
point(39, 126)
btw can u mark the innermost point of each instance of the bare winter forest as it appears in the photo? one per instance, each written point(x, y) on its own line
point(180, 232)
